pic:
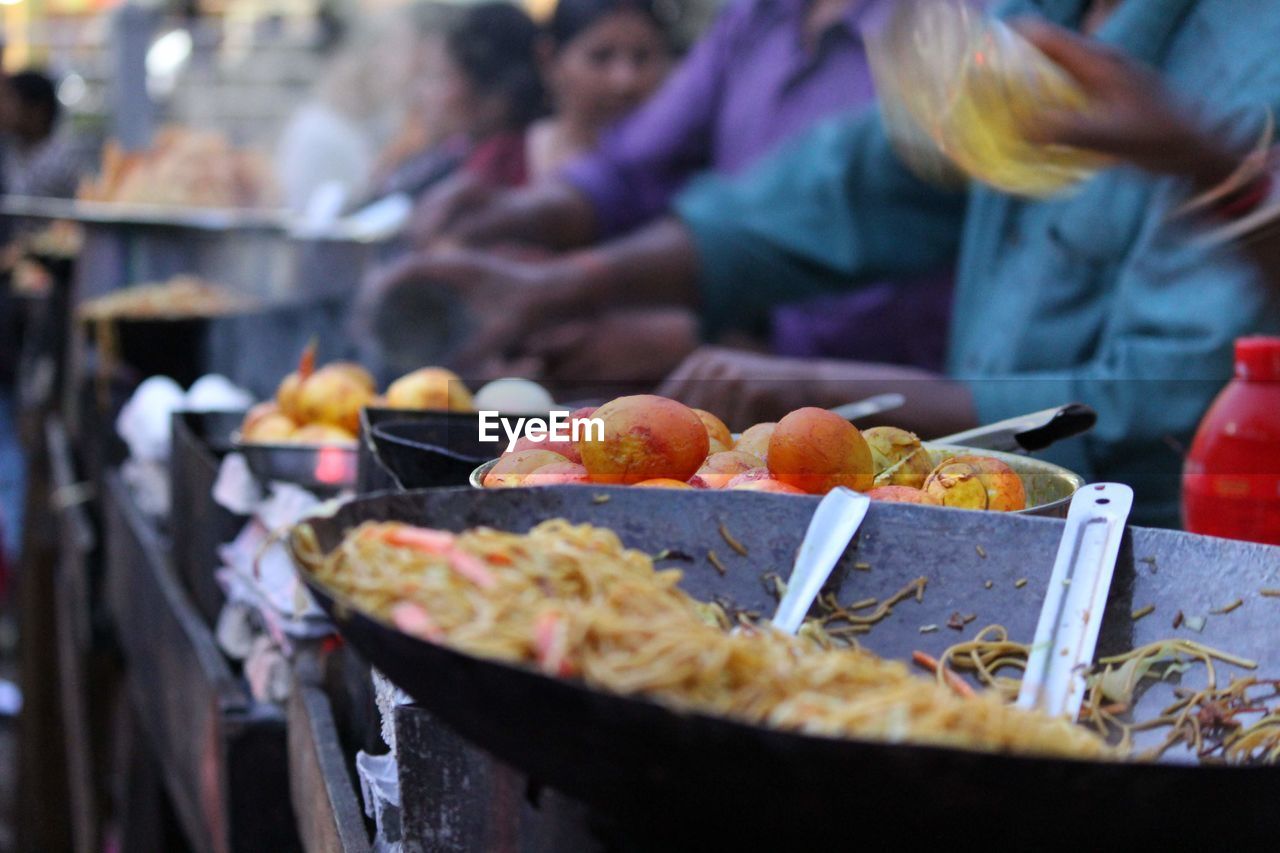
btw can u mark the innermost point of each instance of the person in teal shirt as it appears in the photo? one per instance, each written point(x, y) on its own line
point(1101, 296)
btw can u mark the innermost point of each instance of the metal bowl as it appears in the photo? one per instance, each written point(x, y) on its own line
point(315, 467)
point(1049, 487)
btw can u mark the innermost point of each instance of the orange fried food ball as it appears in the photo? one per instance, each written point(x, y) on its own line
point(333, 396)
point(662, 483)
point(756, 440)
point(557, 474)
point(322, 434)
point(287, 394)
point(816, 450)
point(977, 482)
point(645, 437)
point(287, 391)
point(774, 486)
point(514, 467)
point(431, 388)
point(722, 467)
point(899, 458)
point(356, 372)
point(268, 429)
point(257, 413)
point(717, 432)
point(902, 495)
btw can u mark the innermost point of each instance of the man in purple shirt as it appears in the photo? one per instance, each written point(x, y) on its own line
point(765, 71)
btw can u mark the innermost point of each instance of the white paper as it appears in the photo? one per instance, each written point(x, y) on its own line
point(236, 489)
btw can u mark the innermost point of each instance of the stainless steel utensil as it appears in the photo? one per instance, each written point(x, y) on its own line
point(1030, 432)
point(870, 406)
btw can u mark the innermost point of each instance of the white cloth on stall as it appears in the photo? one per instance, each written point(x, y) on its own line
point(380, 790)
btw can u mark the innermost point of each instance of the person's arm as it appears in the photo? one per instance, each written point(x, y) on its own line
point(550, 213)
point(1180, 301)
point(515, 301)
point(1176, 305)
point(1131, 115)
point(1133, 118)
point(832, 209)
point(745, 388)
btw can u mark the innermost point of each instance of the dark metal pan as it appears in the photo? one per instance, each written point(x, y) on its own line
point(320, 468)
point(430, 450)
point(683, 781)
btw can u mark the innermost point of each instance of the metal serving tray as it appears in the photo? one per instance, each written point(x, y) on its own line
point(1049, 487)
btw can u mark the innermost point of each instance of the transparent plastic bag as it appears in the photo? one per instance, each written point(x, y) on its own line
point(959, 89)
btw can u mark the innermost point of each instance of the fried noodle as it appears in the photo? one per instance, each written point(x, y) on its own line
point(571, 601)
point(1232, 724)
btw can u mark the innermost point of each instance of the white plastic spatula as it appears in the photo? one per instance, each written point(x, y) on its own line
point(833, 525)
point(1071, 616)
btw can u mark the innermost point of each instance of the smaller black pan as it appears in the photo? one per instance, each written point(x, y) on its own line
point(431, 451)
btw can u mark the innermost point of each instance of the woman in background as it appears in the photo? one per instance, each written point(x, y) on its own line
point(596, 61)
point(600, 60)
point(425, 148)
point(496, 78)
point(489, 89)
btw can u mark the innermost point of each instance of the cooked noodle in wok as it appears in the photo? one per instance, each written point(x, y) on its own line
point(1235, 724)
point(572, 602)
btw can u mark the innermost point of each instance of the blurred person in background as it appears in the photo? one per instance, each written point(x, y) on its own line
point(1102, 296)
point(481, 91)
point(511, 103)
point(600, 59)
point(334, 137)
point(597, 60)
point(426, 146)
point(765, 72)
point(490, 90)
point(40, 158)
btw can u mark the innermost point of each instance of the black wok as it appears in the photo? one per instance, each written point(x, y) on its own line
point(689, 781)
point(431, 450)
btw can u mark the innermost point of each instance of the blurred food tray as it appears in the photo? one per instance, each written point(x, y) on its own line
point(223, 756)
point(199, 443)
point(251, 251)
point(324, 796)
point(112, 213)
point(456, 796)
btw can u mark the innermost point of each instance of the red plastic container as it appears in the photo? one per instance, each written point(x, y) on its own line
point(1231, 481)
